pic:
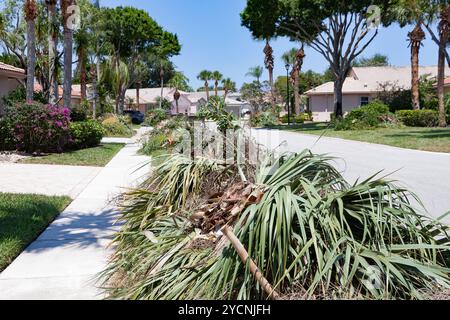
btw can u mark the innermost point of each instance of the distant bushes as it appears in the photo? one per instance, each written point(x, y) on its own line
point(164, 136)
point(154, 117)
point(116, 126)
point(86, 134)
point(418, 118)
point(370, 116)
point(301, 118)
point(264, 119)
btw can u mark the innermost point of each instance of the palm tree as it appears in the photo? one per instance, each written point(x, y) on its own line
point(176, 96)
point(117, 78)
point(81, 48)
point(443, 27)
point(413, 12)
point(68, 47)
point(270, 64)
point(415, 40)
point(295, 58)
point(163, 64)
point(228, 86)
point(30, 16)
point(216, 76)
point(205, 75)
point(52, 49)
point(255, 72)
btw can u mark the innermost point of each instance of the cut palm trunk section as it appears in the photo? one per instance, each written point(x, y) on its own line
point(243, 254)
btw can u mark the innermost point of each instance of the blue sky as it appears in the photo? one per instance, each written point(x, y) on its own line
point(213, 39)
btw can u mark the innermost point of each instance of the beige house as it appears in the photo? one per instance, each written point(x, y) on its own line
point(361, 86)
point(10, 78)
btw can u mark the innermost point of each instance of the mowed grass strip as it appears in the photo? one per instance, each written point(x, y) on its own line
point(426, 139)
point(95, 157)
point(23, 217)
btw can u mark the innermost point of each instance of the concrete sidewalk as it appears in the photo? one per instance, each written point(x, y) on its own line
point(425, 173)
point(64, 261)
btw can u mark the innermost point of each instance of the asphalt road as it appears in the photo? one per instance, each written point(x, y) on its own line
point(425, 173)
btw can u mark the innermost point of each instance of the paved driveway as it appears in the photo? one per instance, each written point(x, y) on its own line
point(425, 173)
point(50, 180)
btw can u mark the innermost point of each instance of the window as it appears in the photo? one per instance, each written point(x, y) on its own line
point(364, 101)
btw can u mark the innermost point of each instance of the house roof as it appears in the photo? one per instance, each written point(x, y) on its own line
point(76, 89)
point(12, 71)
point(369, 79)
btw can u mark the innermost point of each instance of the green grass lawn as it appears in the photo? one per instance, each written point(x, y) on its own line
point(428, 139)
point(97, 156)
point(22, 219)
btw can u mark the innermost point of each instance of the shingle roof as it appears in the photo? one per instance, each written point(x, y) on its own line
point(9, 68)
point(369, 79)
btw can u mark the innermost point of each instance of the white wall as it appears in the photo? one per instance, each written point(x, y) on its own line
point(6, 86)
point(322, 106)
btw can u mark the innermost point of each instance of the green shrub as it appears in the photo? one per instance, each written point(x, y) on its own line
point(7, 141)
point(155, 142)
point(301, 118)
point(264, 119)
point(366, 117)
point(86, 134)
point(115, 126)
point(154, 117)
point(78, 114)
point(19, 96)
point(216, 109)
point(418, 118)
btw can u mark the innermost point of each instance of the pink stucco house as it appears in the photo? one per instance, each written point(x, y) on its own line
point(361, 86)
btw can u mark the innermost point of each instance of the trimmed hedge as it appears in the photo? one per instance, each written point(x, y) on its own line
point(86, 134)
point(418, 118)
point(301, 118)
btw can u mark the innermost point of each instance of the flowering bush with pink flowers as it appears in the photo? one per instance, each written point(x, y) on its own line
point(40, 128)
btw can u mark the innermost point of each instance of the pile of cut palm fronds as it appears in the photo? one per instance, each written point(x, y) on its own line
point(297, 225)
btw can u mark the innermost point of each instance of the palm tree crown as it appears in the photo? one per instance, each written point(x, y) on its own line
point(255, 72)
point(205, 75)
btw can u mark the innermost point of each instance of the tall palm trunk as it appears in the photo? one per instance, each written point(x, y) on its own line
point(216, 88)
point(68, 48)
point(296, 77)
point(95, 93)
point(138, 88)
point(443, 39)
point(207, 90)
point(30, 16)
point(176, 97)
point(415, 37)
point(83, 72)
point(161, 76)
point(52, 50)
point(270, 64)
